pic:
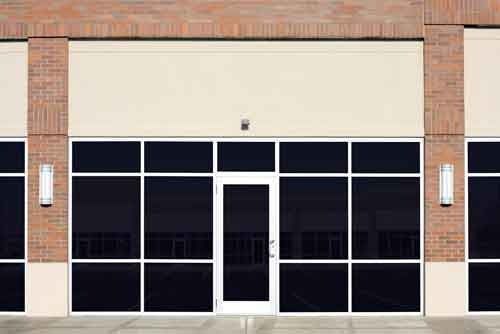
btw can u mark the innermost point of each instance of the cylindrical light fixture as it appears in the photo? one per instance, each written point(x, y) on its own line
point(46, 189)
point(446, 184)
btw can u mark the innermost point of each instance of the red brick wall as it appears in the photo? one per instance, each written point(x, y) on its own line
point(462, 12)
point(48, 144)
point(217, 18)
point(444, 141)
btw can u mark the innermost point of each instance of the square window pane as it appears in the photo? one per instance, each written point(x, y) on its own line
point(386, 287)
point(385, 157)
point(484, 290)
point(106, 157)
point(106, 217)
point(179, 215)
point(313, 287)
point(313, 157)
point(12, 287)
point(484, 157)
point(178, 287)
point(484, 214)
point(386, 218)
point(245, 157)
point(174, 157)
point(313, 218)
point(106, 287)
point(11, 157)
point(12, 218)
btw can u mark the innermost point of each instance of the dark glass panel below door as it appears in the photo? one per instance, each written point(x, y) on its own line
point(106, 287)
point(246, 242)
point(12, 287)
point(313, 218)
point(12, 218)
point(313, 287)
point(386, 287)
point(178, 287)
point(484, 287)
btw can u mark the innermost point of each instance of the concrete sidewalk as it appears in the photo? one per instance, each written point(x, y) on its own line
point(249, 325)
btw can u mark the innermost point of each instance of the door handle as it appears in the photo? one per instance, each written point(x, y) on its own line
point(272, 246)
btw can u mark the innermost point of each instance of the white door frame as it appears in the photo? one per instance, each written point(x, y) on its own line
point(247, 307)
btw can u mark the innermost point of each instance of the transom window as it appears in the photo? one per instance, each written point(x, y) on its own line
point(350, 222)
point(13, 225)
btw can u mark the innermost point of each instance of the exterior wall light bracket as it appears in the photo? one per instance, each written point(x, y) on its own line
point(46, 189)
point(446, 184)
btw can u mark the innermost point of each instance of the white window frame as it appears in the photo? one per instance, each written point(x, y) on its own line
point(25, 176)
point(276, 174)
point(468, 260)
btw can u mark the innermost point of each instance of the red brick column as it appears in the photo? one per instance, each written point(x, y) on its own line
point(48, 144)
point(445, 287)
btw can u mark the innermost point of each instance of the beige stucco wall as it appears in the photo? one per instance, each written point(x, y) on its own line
point(205, 88)
point(47, 289)
point(445, 288)
point(14, 88)
point(482, 82)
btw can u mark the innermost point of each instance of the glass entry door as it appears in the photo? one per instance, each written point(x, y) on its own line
point(246, 245)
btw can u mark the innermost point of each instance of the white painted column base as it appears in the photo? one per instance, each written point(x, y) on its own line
point(445, 289)
point(47, 290)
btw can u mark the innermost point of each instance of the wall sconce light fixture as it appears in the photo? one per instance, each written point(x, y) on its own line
point(46, 189)
point(446, 184)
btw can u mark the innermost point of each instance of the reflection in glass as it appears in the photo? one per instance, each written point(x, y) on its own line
point(313, 218)
point(106, 217)
point(246, 240)
point(484, 213)
point(174, 157)
point(313, 157)
point(12, 287)
point(386, 218)
point(245, 156)
point(106, 287)
point(11, 157)
point(12, 218)
point(385, 157)
point(100, 157)
point(178, 287)
point(386, 287)
point(308, 287)
point(484, 290)
point(178, 221)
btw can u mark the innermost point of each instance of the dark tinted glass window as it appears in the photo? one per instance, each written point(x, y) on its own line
point(386, 287)
point(484, 157)
point(172, 157)
point(117, 157)
point(484, 290)
point(313, 287)
point(179, 214)
point(310, 157)
point(177, 287)
point(11, 157)
point(106, 217)
point(313, 218)
point(385, 158)
point(12, 287)
point(386, 218)
point(250, 157)
point(106, 287)
point(12, 218)
point(246, 242)
point(484, 214)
